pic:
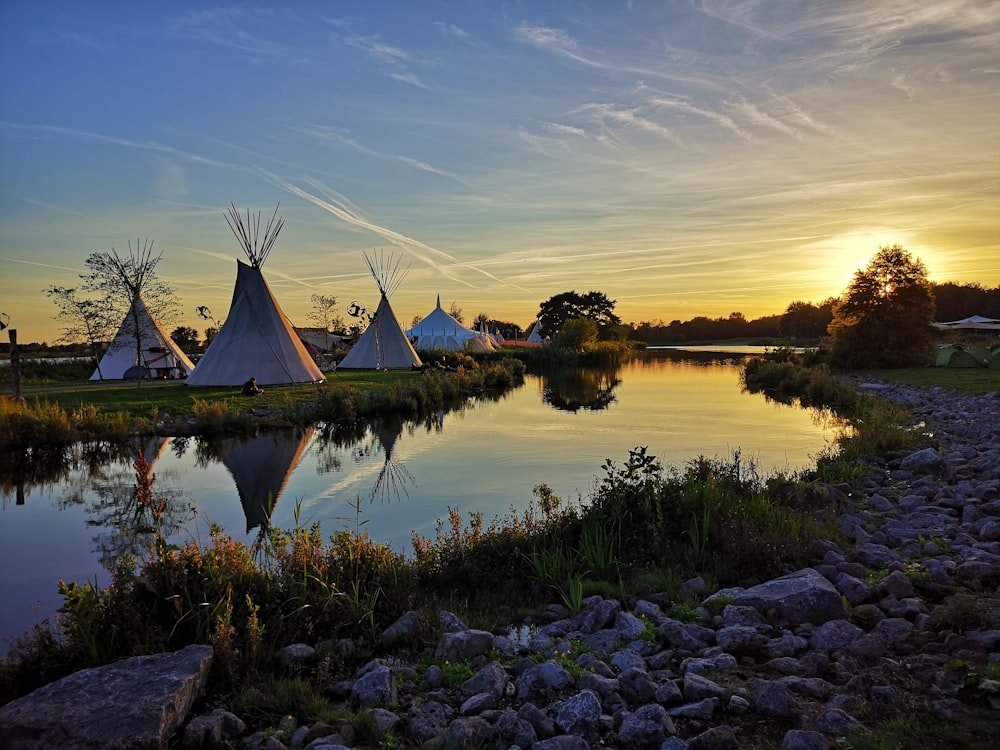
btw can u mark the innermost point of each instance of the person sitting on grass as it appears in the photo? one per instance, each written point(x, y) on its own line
point(250, 388)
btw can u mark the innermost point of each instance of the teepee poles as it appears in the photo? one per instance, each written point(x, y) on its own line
point(248, 233)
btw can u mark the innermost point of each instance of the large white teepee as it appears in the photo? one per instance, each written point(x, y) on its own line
point(161, 357)
point(439, 330)
point(257, 340)
point(383, 345)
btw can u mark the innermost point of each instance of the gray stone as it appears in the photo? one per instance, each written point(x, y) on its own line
point(375, 687)
point(293, 654)
point(510, 730)
point(635, 686)
point(541, 682)
point(802, 739)
point(136, 703)
point(773, 698)
point(213, 728)
point(451, 622)
point(697, 687)
point(717, 738)
point(427, 721)
point(491, 679)
point(562, 742)
point(466, 732)
point(708, 664)
point(466, 644)
point(648, 727)
point(402, 631)
point(833, 635)
point(703, 709)
point(477, 704)
point(804, 596)
point(579, 714)
point(836, 721)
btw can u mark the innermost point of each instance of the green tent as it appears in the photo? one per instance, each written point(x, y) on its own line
point(956, 356)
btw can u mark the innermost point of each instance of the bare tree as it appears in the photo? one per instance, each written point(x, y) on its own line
point(82, 319)
point(122, 281)
point(323, 314)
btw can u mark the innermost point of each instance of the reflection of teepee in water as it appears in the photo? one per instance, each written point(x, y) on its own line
point(392, 477)
point(261, 467)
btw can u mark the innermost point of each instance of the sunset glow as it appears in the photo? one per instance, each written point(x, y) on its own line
point(684, 158)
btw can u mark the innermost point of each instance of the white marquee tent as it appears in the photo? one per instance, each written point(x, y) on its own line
point(439, 330)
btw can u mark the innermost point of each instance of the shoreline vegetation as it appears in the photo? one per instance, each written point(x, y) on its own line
point(647, 528)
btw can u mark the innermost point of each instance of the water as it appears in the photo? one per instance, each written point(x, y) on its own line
point(398, 477)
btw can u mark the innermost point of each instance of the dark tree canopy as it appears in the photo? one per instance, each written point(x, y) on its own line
point(884, 317)
point(804, 320)
point(594, 306)
point(186, 338)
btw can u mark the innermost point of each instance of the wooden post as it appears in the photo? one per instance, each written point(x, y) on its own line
point(15, 365)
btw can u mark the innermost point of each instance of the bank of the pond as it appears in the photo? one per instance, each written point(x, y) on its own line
point(889, 636)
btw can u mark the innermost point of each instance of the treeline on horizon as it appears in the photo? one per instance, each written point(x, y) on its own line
point(800, 320)
point(807, 320)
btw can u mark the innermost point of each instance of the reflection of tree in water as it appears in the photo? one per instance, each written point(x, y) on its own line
point(127, 522)
point(573, 389)
point(24, 471)
point(334, 439)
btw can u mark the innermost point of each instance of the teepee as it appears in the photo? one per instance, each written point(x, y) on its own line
point(383, 345)
point(440, 331)
point(257, 340)
point(160, 356)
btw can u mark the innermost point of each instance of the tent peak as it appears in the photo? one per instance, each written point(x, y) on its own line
point(248, 235)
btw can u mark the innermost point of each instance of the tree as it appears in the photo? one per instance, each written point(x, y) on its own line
point(456, 312)
point(595, 306)
point(323, 314)
point(576, 335)
point(186, 338)
point(884, 318)
point(210, 333)
point(804, 320)
point(84, 319)
point(121, 280)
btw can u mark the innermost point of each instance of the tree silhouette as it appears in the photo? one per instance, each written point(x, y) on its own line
point(884, 318)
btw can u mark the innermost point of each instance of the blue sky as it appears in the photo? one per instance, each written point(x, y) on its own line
point(684, 158)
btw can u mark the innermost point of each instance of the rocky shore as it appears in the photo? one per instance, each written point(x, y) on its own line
point(893, 620)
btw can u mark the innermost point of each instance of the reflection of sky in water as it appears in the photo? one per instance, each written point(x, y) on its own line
point(485, 458)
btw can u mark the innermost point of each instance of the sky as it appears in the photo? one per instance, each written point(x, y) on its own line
point(685, 158)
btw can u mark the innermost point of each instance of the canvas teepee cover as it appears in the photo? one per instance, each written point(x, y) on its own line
point(439, 330)
point(257, 340)
point(160, 355)
point(383, 345)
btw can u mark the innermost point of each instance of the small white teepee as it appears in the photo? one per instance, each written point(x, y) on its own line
point(257, 340)
point(161, 357)
point(441, 331)
point(383, 345)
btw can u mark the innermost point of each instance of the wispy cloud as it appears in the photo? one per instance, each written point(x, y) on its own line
point(396, 62)
point(230, 28)
point(322, 132)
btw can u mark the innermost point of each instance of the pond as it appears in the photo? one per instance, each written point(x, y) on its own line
point(399, 476)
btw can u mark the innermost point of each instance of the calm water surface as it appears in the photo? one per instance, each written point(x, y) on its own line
point(486, 457)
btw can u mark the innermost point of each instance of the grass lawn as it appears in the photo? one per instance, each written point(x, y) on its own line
point(174, 397)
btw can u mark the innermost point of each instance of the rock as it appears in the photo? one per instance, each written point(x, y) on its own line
point(717, 738)
point(801, 739)
point(491, 680)
point(773, 698)
point(428, 721)
point(579, 715)
point(294, 654)
point(466, 644)
point(375, 687)
point(402, 631)
point(541, 682)
point(926, 461)
point(466, 732)
point(136, 703)
point(213, 728)
point(804, 596)
point(648, 727)
point(562, 742)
